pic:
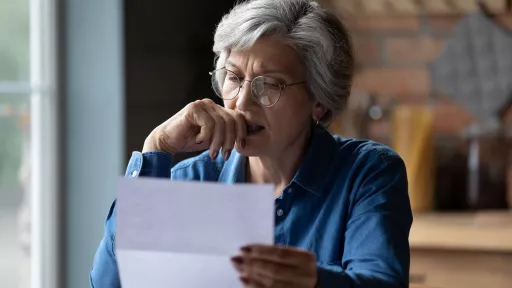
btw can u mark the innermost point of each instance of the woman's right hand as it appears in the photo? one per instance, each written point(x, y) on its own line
point(200, 125)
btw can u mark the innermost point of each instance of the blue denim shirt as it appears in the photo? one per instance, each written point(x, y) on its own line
point(348, 204)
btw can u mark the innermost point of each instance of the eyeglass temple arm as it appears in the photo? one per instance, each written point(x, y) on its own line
point(293, 84)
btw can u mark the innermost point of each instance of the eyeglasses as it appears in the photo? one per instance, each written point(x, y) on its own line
point(265, 90)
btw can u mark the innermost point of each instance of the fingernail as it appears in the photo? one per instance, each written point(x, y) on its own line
point(227, 153)
point(244, 280)
point(237, 259)
point(214, 155)
point(199, 142)
point(246, 249)
point(237, 262)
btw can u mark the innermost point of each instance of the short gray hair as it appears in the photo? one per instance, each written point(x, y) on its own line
point(318, 36)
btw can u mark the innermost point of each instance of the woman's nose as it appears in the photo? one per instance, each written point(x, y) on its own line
point(244, 98)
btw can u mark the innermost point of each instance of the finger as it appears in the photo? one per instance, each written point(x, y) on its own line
point(229, 131)
point(280, 254)
point(272, 272)
point(237, 262)
point(268, 269)
point(198, 116)
point(241, 127)
point(247, 283)
point(217, 138)
point(258, 280)
point(251, 282)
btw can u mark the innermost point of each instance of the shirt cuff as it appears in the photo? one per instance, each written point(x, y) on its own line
point(149, 164)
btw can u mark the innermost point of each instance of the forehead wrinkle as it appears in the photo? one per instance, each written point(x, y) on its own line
point(258, 66)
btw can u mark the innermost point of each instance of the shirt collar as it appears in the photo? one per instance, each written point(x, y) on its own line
point(312, 172)
point(234, 169)
point(316, 163)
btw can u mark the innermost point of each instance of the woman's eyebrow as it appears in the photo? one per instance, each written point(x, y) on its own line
point(230, 64)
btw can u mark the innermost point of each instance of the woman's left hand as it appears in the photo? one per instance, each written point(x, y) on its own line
point(267, 266)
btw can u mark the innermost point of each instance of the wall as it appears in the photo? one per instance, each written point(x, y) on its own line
point(393, 55)
point(168, 54)
point(92, 92)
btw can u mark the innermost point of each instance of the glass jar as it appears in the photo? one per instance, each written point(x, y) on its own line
point(487, 168)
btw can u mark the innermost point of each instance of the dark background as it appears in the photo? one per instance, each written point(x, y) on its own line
point(168, 54)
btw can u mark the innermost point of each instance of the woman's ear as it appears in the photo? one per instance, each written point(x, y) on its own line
point(318, 112)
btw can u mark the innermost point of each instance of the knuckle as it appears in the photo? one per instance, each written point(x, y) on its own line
point(238, 117)
point(194, 105)
point(209, 123)
point(215, 116)
point(207, 101)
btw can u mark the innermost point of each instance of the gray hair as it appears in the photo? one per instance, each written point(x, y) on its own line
point(319, 37)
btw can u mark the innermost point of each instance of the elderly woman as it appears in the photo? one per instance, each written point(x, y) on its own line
point(284, 69)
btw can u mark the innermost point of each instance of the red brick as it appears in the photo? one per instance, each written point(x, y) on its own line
point(379, 129)
point(450, 118)
point(381, 23)
point(367, 49)
point(422, 49)
point(505, 20)
point(443, 23)
point(400, 83)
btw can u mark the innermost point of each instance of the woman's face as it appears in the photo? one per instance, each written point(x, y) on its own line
point(284, 124)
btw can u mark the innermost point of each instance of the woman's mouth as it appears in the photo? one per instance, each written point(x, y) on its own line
point(253, 129)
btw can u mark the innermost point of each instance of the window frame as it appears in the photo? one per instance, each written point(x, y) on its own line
point(44, 134)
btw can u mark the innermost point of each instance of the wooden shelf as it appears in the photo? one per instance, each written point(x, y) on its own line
point(482, 231)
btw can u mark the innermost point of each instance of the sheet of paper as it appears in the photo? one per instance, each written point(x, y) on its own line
point(183, 234)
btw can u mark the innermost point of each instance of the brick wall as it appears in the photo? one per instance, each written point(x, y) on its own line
point(393, 54)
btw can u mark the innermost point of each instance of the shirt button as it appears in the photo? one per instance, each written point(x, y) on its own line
point(290, 190)
point(280, 212)
point(134, 174)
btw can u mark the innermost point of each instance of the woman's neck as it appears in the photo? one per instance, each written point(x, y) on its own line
point(278, 168)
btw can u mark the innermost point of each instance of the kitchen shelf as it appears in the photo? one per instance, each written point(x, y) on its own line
point(479, 231)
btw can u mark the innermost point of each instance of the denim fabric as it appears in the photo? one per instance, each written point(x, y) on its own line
point(348, 204)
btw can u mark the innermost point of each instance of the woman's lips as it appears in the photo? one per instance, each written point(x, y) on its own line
point(251, 129)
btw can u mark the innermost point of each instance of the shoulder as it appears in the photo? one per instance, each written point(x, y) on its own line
point(368, 164)
point(366, 156)
point(372, 169)
point(200, 167)
point(365, 150)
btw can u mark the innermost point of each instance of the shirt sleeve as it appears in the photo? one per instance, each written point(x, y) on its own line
point(149, 164)
point(376, 252)
point(104, 272)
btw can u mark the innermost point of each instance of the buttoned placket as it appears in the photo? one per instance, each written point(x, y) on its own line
point(281, 210)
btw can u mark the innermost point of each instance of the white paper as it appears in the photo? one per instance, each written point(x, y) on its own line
point(183, 234)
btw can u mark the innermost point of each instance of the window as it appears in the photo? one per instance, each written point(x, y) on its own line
point(14, 141)
point(27, 144)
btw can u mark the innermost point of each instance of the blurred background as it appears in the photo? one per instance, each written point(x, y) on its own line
point(82, 83)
